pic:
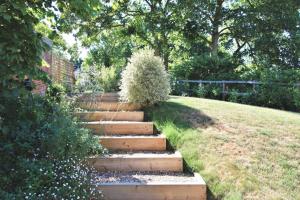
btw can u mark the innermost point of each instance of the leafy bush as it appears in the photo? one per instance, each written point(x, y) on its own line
point(233, 96)
point(145, 79)
point(297, 97)
point(92, 78)
point(109, 78)
point(206, 67)
point(278, 90)
point(42, 149)
point(201, 91)
point(87, 79)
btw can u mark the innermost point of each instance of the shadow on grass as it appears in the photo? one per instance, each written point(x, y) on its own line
point(183, 117)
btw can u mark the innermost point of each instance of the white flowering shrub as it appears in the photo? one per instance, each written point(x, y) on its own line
point(145, 80)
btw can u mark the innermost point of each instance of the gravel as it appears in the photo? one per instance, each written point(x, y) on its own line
point(143, 177)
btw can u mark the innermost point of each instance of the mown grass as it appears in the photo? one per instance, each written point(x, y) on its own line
point(243, 152)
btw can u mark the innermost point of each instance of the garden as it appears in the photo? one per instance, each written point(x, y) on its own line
point(124, 99)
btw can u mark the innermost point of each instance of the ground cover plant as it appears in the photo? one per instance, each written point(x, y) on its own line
point(43, 149)
point(243, 152)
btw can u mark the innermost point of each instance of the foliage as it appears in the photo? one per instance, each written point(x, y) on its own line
point(296, 97)
point(151, 23)
point(42, 149)
point(111, 48)
point(144, 79)
point(18, 20)
point(87, 79)
point(278, 90)
point(205, 67)
point(109, 78)
point(233, 96)
point(93, 78)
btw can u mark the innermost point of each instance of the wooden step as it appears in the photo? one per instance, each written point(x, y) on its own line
point(109, 106)
point(110, 116)
point(134, 143)
point(178, 186)
point(120, 127)
point(99, 97)
point(168, 162)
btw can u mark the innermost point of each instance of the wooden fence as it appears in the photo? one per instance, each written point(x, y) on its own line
point(60, 71)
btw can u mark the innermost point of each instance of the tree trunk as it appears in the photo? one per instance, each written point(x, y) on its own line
point(166, 60)
point(215, 35)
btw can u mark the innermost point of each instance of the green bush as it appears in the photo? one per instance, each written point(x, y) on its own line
point(145, 79)
point(206, 67)
point(56, 92)
point(296, 93)
point(42, 149)
point(87, 80)
point(109, 78)
point(278, 90)
point(233, 96)
point(201, 91)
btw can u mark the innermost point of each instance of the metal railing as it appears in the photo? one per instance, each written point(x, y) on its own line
point(224, 84)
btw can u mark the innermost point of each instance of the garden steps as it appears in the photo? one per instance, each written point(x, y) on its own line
point(120, 127)
point(167, 162)
point(134, 143)
point(94, 97)
point(151, 186)
point(137, 116)
point(139, 166)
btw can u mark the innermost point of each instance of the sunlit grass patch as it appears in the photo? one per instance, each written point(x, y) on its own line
point(243, 152)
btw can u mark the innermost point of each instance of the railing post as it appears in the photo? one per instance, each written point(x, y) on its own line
point(180, 87)
point(223, 90)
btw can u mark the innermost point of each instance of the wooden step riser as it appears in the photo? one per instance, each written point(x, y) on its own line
point(121, 129)
point(99, 97)
point(111, 116)
point(154, 192)
point(109, 106)
point(134, 144)
point(138, 164)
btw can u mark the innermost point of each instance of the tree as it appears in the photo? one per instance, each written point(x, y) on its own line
point(270, 30)
point(21, 46)
point(246, 28)
point(111, 48)
point(152, 22)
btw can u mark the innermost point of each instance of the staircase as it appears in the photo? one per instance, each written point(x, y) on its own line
point(139, 165)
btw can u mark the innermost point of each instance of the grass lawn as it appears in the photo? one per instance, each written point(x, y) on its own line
point(243, 152)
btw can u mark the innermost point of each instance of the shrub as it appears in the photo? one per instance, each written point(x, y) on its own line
point(201, 91)
point(109, 78)
point(42, 150)
point(297, 97)
point(206, 67)
point(145, 79)
point(87, 79)
point(233, 95)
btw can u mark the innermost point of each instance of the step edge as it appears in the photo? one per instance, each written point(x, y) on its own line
point(199, 178)
point(132, 137)
point(104, 112)
point(141, 156)
point(116, 122)
point(151, 183)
